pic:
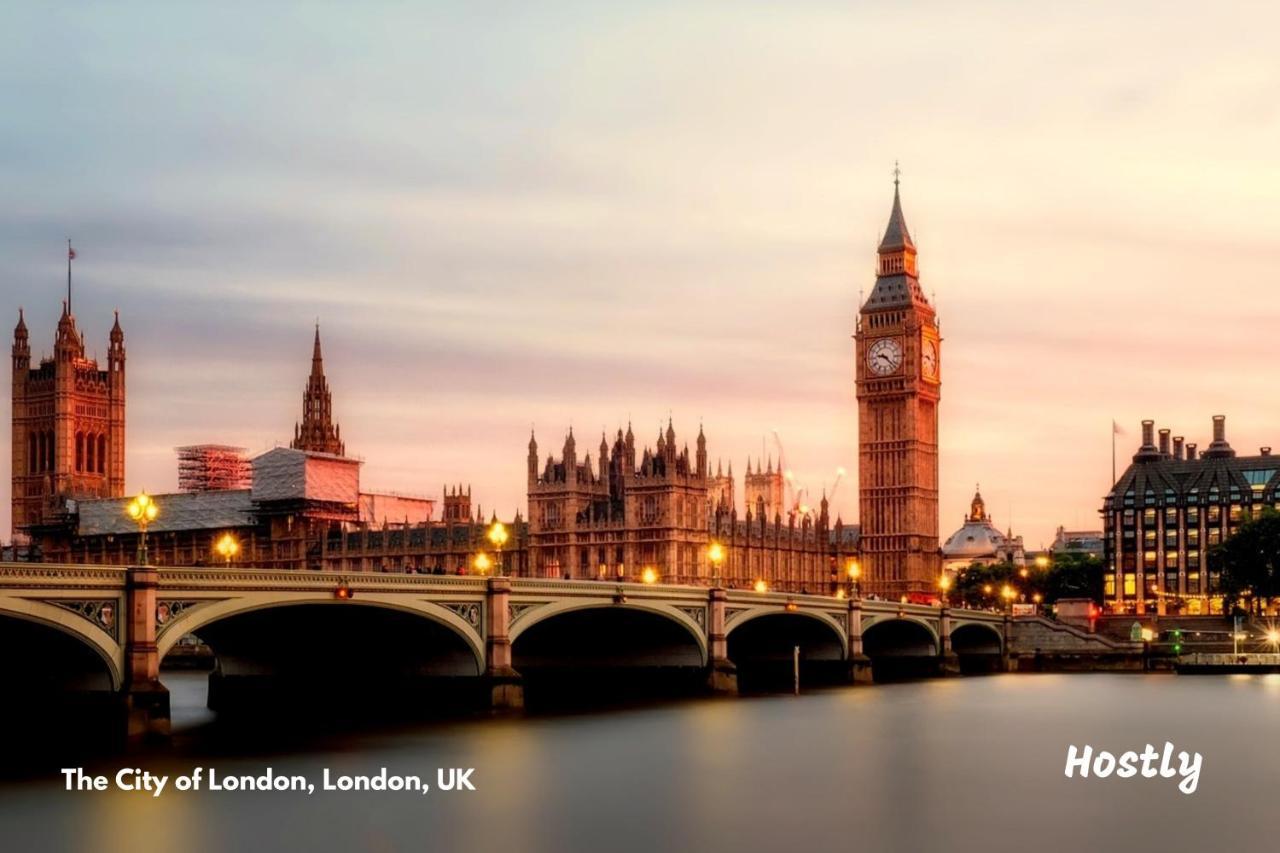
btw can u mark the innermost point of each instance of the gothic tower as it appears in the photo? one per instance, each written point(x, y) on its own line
point(317, 432)
point(68, 425)
point(899, 383)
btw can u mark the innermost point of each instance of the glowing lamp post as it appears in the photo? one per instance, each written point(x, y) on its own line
point(761, 586)
point(228, 547)
point(143, 511)
point(649, 575)
point(498, 537)
point(853, 571)
point(944, 583)
point(715, 553)
point(482, 563)
point(1008, 594)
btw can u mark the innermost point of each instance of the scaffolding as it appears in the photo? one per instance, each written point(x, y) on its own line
point(212, 467)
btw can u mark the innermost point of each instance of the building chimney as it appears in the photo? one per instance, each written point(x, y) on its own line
point(1164, 442)
point(1191, 451)
point(1177, 447)
point(1219, 449)
point(1148, 451)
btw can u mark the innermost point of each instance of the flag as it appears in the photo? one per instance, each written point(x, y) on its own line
point(1115, 429)
point(71, 253)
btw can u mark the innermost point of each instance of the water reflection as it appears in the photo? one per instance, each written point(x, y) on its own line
point(965, 764)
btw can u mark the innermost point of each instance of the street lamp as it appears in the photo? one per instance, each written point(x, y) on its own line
point(1008, 594)
point(482, 563)
point(715, 553)
point(854, 571)
point(649, 575)
point(944, 583)
point(228, 546)
point(761, 586)
point(498, 536)
point(143, 511)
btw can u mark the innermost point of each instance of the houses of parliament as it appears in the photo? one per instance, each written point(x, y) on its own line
point(631, 512)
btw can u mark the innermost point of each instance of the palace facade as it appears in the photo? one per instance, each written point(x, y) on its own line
point(68, 426)
point(654, 513)
point(298, 507)
point(1168, 508)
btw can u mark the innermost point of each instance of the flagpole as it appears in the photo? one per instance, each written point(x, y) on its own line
point(68, 275)
point(1113, 452)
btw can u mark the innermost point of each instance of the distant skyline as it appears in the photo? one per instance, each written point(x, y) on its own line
point(577, 214)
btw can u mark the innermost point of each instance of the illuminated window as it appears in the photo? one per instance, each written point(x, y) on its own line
point(1171, 517)
point(1193, 559)
point(1193, 515)
point(1258, 480)
point(1148, 559)
point(1235, 513)
point(1171, 559)
point(1130, 585)
point(1148, 517)
point(1109, 585)
point(1193, 583)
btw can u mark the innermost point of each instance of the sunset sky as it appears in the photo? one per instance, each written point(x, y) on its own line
point(513, 214)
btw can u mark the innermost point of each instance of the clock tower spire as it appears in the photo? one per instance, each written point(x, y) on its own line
point(898, 386)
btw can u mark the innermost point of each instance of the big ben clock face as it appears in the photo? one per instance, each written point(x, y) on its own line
point(929, 358)
point(884, 356)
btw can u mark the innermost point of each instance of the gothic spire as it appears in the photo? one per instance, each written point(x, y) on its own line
point(317, 432)
point(896, 235)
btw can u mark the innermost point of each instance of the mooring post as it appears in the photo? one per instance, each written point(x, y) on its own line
point(506, 688)
point(722, 675)
point(145, 699)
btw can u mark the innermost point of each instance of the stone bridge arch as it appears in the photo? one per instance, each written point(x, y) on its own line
point(464, 619)
point(528, 617)
point(75, 623)
point(977, 638)
point(760, 642)
point(901, 646)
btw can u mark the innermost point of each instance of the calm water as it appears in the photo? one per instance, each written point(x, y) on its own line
point(963, 764)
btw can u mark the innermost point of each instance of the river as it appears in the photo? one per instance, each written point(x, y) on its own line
point(956, 764)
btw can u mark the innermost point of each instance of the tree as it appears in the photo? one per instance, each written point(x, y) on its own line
point(1068, 576)
point(1249, 561)
point(1073, 576)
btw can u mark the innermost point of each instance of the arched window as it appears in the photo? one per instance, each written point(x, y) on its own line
point(90, 461)
point(53, 451)
point(80, 451)
point(32, 460)
point(102, 454)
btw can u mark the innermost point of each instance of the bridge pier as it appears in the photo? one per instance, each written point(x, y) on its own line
point(144, 700)
point(722, 675)
point(948, 660)
point(505, 686)
point(859, 664)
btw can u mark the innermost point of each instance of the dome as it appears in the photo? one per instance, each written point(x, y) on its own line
point(975, 539)
point(978, 537)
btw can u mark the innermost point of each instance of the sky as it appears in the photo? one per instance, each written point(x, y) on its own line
point(510, 215)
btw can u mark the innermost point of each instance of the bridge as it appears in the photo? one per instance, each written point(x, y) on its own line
point(104, 630)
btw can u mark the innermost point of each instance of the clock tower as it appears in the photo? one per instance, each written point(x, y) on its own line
point(899, 383)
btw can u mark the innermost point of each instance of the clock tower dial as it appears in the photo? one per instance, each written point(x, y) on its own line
point(884, 356)
point(898, 386)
